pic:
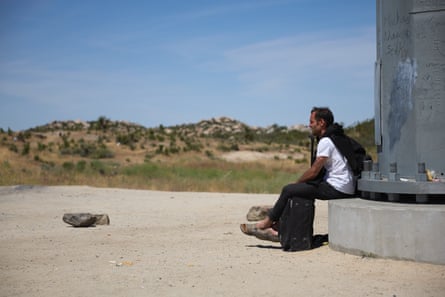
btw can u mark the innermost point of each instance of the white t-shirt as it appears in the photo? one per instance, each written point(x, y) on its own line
point(338, 172)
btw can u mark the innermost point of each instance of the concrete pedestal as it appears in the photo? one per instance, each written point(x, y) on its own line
point(389, 230)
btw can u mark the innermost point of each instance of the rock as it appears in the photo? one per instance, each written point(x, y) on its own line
point(86, 219)
point(257, 213)
point(79, 219)
point(102, 219)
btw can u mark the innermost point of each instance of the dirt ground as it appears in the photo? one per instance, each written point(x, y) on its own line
point(177, 244)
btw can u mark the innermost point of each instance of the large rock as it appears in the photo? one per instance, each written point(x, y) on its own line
point(86, 219)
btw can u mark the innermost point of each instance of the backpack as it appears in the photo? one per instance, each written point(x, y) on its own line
point(353, 151)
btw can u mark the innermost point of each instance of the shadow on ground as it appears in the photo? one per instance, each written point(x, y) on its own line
point(318, 240)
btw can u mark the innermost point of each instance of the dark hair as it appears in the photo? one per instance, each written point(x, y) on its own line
point(323, 113)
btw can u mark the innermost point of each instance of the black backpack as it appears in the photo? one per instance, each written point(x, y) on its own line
point(354, 152)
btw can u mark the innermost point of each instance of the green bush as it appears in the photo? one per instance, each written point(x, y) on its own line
point(68, 166)
point(148, 157)
point(41, 146)
point(209, 154)
point(98, 166)
point(26, 148)
point(13, 148)
point(103, 153)
point(81, 165)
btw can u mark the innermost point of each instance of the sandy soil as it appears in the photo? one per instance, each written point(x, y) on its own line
point(177, 244)
point(249, 156)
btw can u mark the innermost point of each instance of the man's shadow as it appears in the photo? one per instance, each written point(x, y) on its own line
point(318, 240)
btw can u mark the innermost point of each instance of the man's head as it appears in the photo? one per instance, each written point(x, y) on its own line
point(321, 118)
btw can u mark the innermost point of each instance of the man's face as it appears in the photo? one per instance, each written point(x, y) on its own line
point(316, 125)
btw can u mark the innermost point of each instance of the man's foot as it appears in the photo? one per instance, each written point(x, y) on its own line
point(263, 234)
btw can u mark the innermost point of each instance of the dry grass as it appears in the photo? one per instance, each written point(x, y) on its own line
point(189, 175)
point(129, 168)
point(172, 159)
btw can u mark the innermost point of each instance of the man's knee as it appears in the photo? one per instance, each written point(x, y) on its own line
point(288, 190)
point(301, 190)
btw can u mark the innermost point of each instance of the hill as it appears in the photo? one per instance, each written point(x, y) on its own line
point(218, 154)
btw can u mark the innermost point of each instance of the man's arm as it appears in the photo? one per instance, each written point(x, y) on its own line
point(312, 172)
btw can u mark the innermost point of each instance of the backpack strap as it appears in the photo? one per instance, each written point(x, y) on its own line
point(346, 147)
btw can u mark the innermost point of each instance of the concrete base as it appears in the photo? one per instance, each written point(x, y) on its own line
point(389, 230)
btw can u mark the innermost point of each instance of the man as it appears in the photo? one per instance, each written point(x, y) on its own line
point(337, 180)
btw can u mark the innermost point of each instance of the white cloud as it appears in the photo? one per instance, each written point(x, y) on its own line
point(287, 61)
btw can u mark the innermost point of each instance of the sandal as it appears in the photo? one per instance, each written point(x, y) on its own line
point(251, 229)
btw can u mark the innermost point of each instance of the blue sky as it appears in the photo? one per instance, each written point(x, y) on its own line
point(172, 62)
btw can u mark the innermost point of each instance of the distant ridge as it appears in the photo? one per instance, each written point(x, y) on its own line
point(219, 127)
point(210, 127)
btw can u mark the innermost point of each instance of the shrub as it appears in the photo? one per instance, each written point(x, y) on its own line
point(151, 135)
point(223, 148)
point(98, 166)
point(193, 146)
point(301, 161)
point(41, 146)
point(26, 148)
point(81, 165)
point(103, 153)
point(68, 166)
point(148, 157)
point(160, 149)
point(13, 148)
point(174, 149)
point(47, 165)
point(209, 154)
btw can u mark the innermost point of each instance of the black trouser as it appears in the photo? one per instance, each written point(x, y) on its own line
point(322, 191)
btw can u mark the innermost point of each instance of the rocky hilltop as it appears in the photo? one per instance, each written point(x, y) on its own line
point(107, 139)
point(209, 128)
